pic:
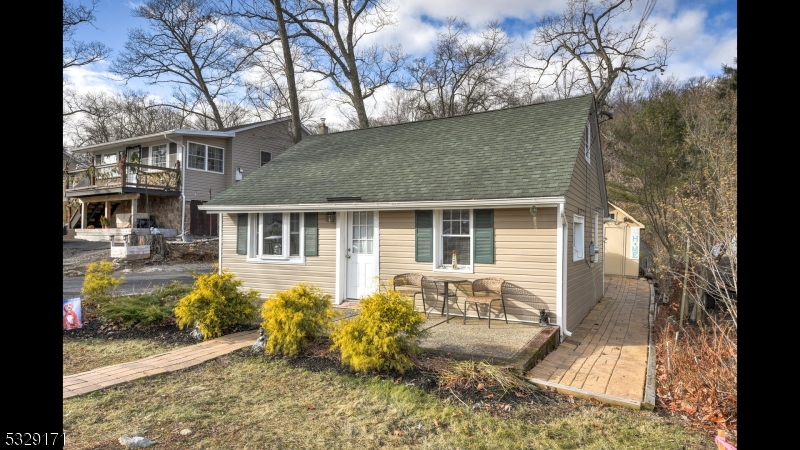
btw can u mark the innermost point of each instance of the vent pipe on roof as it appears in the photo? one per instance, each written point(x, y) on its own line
point(322, 128)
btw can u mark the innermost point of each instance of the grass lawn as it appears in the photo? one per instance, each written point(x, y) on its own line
point(243, 401)
point(92, 353)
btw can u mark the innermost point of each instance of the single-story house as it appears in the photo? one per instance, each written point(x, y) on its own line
point(623, 249)
point(517, 193)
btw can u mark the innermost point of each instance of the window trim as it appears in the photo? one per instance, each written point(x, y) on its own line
point(578, 251)
point(255, 237)
point(438, 265)
point(205, 158)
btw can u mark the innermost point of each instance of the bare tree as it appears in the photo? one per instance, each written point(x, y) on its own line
point(188, 45)
point(266, 24)
point(464, 74)
point(585, 47)
point(80, 53)
point(334, 31)
point(400, 107)
point(107, 117)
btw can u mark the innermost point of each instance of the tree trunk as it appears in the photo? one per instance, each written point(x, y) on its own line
point(288, 67)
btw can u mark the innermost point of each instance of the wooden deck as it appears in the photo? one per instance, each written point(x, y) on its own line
point(607, 355)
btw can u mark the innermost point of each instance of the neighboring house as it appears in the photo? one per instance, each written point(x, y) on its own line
point(139, 182)
point(517, 193)
point(623, 250)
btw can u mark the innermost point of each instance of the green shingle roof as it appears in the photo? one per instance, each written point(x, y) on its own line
point(527, 151)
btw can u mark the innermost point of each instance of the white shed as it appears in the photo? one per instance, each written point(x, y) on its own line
point(623, 245)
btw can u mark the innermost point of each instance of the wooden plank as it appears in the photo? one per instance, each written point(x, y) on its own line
point(586, 394)
point(105, 198)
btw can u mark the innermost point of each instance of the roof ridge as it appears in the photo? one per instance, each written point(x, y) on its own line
point(460, 115)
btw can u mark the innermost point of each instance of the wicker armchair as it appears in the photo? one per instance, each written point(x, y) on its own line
point(485, 291)
point(409, 284)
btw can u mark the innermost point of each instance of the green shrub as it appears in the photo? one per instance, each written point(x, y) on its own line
point(382, 336)
point(294, 317)
point(216, 302)
point(149, 309)
point(99, 284)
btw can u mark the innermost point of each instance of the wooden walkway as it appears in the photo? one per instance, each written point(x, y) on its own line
point(607, 355)
point(178, 359)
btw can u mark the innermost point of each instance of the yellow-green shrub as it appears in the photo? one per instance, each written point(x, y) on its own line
point(295, 316)
point(382, 335)
point(216, 302)
point(98, 284)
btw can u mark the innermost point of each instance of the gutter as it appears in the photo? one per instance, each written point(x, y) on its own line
point(388, 206)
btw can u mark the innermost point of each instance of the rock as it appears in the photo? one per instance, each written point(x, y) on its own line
point(135, 441)
point(186, 432)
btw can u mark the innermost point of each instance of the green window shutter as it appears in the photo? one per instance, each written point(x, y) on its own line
point(312, 233)
point(241, 234)
point(484, 236)
point(423, 236)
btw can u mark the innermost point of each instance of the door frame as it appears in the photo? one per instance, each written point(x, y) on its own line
point(342, 224)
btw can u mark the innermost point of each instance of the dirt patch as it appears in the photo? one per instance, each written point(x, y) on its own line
point(198, 255)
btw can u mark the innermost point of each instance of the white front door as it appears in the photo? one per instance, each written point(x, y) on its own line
point(361, 254)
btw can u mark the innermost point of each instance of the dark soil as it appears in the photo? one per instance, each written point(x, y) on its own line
point(167, 333)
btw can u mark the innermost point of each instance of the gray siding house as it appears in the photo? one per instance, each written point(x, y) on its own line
point(160, 179)
point(517, 193)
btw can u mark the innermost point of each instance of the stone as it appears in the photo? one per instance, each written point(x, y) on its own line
point(186, 432)
point(135, 441)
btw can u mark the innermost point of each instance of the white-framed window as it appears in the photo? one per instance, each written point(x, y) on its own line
point(205, 157)
point(266, 157)
point(454, 233)
point(276, 237)
point(158, 155)
point(587, 150)
point(109, 158)
point(577, 238)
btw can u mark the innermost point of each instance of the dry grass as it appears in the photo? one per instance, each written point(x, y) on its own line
point(696, 370)
point(92, 353)
point(244, 401)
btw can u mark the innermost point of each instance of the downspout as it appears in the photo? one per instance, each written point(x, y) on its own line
point(561, 272)
point(183, 185)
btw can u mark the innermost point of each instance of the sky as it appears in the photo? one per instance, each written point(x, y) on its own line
point(703, 34)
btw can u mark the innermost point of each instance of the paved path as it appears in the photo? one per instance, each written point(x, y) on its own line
point(607, 355)
point(178, 359)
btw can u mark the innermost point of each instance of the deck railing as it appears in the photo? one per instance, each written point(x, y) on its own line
point(121, 175)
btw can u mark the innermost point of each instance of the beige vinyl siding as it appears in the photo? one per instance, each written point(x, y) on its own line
point(248, 145)
point(584, 281)
point(268, 278)
point(199, 182)
point(524, 257)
